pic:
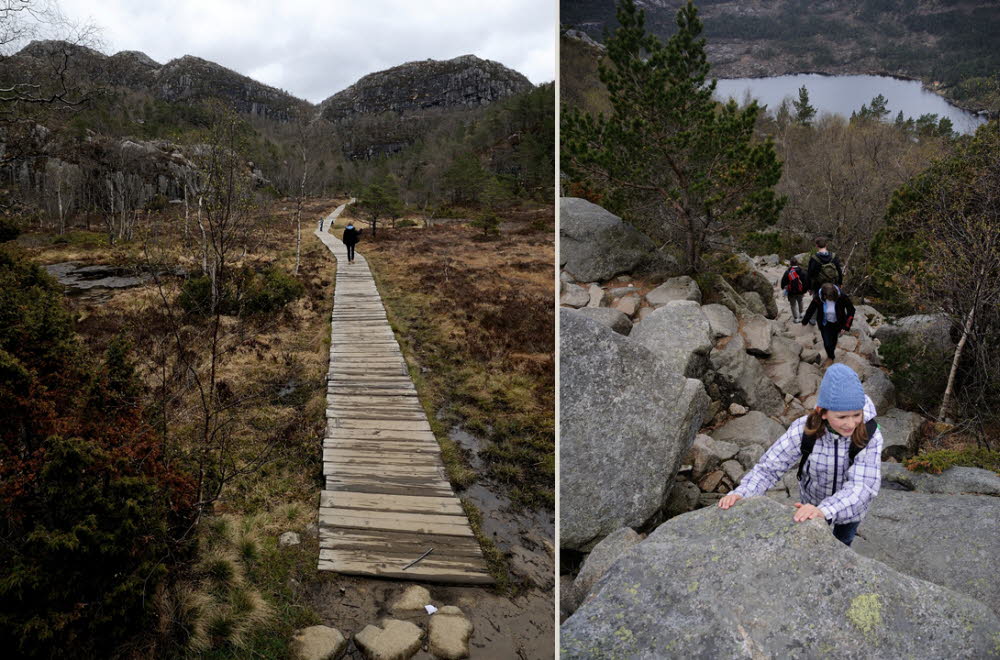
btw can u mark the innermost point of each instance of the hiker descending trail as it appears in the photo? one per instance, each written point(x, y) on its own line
point(388, 510)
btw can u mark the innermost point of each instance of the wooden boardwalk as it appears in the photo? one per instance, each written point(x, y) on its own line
point(387, 500)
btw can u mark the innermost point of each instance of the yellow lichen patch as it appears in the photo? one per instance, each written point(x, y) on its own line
point(865, 613)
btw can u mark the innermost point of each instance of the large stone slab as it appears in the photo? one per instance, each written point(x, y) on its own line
point(611, 318)
point(595, 245)
point(757, 333)
point(927, 330)
point(754, 428)
point(733, 584)
point(679, 334)
point(951, 540)
point(573, 295)
point(599, 560)
point(957, 480)
point(783, 365)
point(676, 288)
point(627, 418)
point(721, 320)
point(900, 431)
point(879, 388)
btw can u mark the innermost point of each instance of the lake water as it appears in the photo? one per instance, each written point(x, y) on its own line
point(843, 95)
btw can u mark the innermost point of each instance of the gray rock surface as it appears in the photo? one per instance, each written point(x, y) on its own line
point(318, 643)
point(680, 334)
point(596, 245)
point(600, 559)
point(683, 498)
point(695, 589)
point(900, 429)
point(707, 454)
point(611, 318)
point(741, 377)
point(782, 367)
point(626, 421)
point(754, 428)
point(950, 540)
point(720, 319)
point(598, 296)
point(289, 538)
point(756, 331)
point(879, 388)
point(574, 295)
point(930, 330)
point(754, 280)
point(755, 302)
point(956, 480)
point(676, 288)
point(627, 305)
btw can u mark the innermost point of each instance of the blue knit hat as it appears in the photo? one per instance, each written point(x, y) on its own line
point(841, 389)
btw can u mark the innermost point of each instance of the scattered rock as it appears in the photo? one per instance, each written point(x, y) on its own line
point(627, 305)
point(860, 365)
point(693, 589)
point(395, 640)
point(448, 633)
point(411, 600)
point(679, 334)
point(847, 343)
point(676, 288)
point(811, 356)
point(598, 296)
point(565, 276)
point(622, 291)
point(754, 428)
point(595, 245)
point(318, 643)
point(721, 321)
point(707, 454)
point(739, 376)
point(736, 410)
point(683, 498)
point(289, 538)
point(756, 333)
point(734, 471)
point(600, 558)
point(574, 296)
point(711, 481)
point(615, 474)
point(611, 318)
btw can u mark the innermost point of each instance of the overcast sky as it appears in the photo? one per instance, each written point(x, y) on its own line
point(316, 48)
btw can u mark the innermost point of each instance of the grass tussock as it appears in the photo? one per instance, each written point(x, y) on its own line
point(476, 324)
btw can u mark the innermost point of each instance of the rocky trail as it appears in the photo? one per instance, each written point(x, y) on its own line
point(669, 394)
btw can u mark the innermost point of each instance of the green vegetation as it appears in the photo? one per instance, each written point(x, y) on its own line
point(865, 613)
point(936, 462)
point(249, 293)
point(496, 562)
point(918, 372)
point(670, 159)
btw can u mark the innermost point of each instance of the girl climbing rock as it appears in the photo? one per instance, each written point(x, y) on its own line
point(839, 449)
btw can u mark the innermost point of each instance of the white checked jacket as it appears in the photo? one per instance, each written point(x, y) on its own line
point(843, 500)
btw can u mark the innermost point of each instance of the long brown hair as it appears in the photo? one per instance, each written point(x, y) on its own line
point(814, 426)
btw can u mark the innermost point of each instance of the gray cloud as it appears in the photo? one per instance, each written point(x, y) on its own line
point(315, 48)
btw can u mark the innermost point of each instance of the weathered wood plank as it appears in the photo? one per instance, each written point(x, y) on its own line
point(400, 503)
point(392, 520)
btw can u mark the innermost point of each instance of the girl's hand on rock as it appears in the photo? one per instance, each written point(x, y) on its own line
point(729, 500)
point(806, 512)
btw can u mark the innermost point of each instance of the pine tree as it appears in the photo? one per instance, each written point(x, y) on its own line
point(670, 157)
point(804, 112)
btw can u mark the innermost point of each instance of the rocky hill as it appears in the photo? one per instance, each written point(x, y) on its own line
point(390, 108)
point(938, 41)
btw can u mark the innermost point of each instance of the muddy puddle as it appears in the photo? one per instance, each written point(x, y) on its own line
point(98, 282)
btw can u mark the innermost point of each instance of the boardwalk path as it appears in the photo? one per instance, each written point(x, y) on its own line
point(387, 500)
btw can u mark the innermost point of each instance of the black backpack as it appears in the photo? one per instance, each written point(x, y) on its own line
point(809, 441)
point(795, 285)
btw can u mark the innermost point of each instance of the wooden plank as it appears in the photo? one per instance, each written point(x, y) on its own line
point(386, 448)
point(402, 503)
point(387, 485)
point(393, 520)
point(380, 434)
point(403, 542)
point(385, 426)
point(377, 459)
point(387, 566)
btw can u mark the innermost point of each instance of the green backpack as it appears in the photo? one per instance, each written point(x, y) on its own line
point(827, 273)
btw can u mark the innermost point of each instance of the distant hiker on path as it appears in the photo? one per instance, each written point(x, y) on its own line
point(839, 449)
point(795, 285)
point(351, 236)
point(824, 266)
point(835, 314)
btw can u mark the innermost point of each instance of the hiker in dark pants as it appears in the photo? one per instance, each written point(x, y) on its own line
point(839, 450)
point(794, 284)
point(835, 314)
point(351, 237)
point(824, 267)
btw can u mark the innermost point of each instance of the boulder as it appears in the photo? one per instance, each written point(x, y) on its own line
point(956, 480)
point(736, 410)
point(627, 418)
point(900, 431)
point(783, 365)
point(707, 454)
point(600, 559)
point(847, 343)
point(741, 377)
point(734, 471)
point(679, 334)
point(809, 378)
point(757, 333)
point(595, 245)
point(448, 634)
point(318, 643)
point(413, 599)
point(566, 276)
point(950, 540)
point(394, 640)
point(622, 291)
point(810, 356)
point(720, 319)
point(711, 481)
point(726, 584)
point(751, 279)
point(794, 410)
point(871, 315)
point(879, 388)
point(926, 330)
point(574, 295)
point(860, 365)
point(610, 318)
point(683, 498)
point(643, 313)
point(676, 288)
point(598, 296)
point(754, 428)
point(628, 305)
point(754, 302)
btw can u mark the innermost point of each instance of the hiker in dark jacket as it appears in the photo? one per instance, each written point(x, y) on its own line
point(824, 266)
point(834, 313)
point(795, 284)
point(839, 450)
point(351, 237)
